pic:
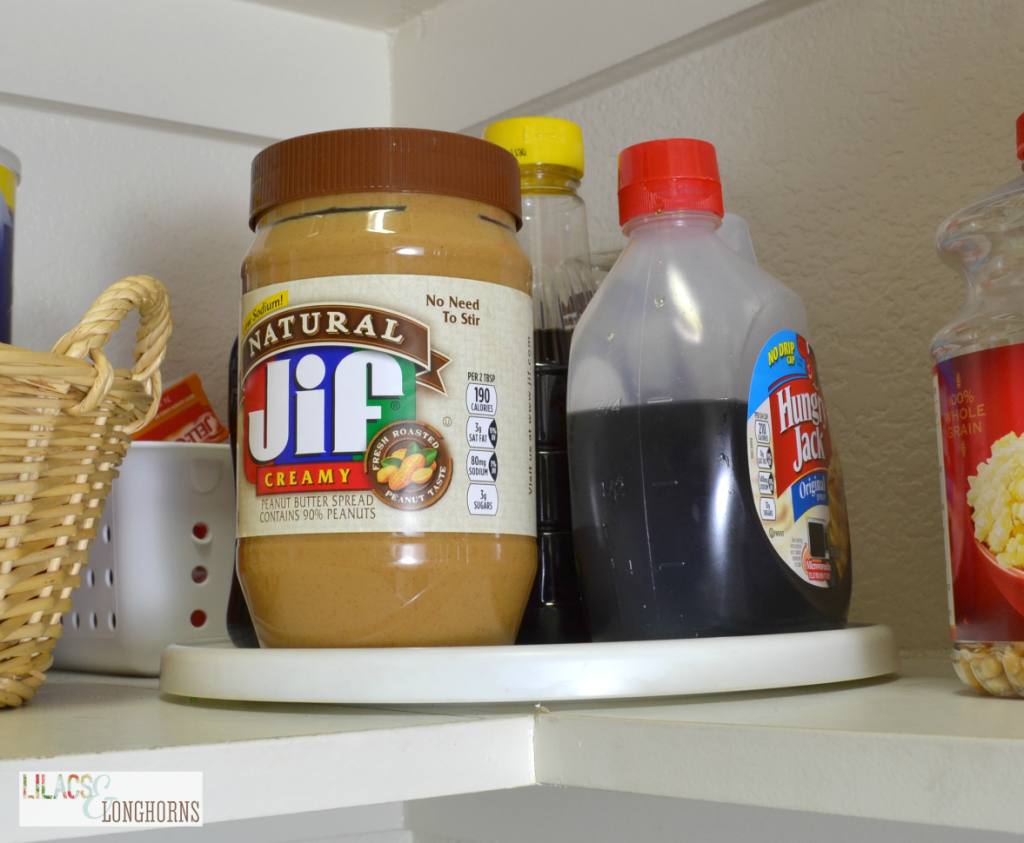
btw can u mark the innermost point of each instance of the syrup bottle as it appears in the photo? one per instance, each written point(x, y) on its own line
point(554, 237)
point(707, 495)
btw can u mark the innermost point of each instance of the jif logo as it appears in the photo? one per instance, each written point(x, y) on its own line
point(312, 403)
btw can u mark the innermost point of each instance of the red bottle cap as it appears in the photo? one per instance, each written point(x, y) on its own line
point(1020, 137)
point(668, 175)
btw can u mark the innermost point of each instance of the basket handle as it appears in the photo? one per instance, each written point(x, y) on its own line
point(99, 323)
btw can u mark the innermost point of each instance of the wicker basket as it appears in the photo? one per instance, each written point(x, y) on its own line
point(64, 429)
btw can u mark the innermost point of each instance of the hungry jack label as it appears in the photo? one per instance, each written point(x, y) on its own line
point(362, 402)
point(794, 472)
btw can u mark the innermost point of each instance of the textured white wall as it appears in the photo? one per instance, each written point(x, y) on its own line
point(102, 198)
point(465, 60)
point(846, 132)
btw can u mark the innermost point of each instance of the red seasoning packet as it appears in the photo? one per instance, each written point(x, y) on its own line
point(185, 415)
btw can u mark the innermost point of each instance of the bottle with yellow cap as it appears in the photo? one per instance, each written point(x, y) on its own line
point(554, 237)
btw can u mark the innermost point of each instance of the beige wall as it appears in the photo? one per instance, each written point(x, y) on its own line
point(847, 131)
point(102, 197)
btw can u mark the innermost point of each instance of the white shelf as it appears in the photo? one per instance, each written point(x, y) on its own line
point(916, 748)
point(920, 748)
point(259, 760)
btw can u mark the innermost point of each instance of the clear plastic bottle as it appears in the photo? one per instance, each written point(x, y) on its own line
point(734, 232)
point(555, 239)
point(707, 499)
point(979, 399)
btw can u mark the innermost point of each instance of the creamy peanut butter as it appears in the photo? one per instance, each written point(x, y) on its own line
point(386, 489)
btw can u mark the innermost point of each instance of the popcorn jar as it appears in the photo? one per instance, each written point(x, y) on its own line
point(979, 400)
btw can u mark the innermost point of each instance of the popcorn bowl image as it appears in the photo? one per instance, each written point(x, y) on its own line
point(996, 498)
point(1009, 581)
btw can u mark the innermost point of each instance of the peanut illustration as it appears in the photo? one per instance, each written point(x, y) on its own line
point(403, 477)
point(422, 475)
point(385, 473)
point(399, 454)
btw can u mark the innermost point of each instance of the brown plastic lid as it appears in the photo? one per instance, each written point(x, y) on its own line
point(360, 160)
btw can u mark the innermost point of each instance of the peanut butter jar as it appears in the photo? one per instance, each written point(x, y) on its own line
point(386, 482)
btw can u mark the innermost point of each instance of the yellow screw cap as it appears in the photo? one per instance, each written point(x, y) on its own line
point(540, 140)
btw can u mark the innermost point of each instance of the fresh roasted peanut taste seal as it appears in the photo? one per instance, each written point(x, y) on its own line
point(411, 465)
point(378, 307)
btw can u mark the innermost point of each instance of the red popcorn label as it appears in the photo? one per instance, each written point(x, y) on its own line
point(979, 407)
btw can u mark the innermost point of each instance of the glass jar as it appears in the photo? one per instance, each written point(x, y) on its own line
point(979, 402)
point(386, 375)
